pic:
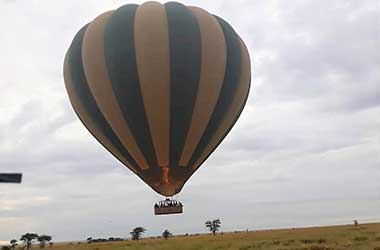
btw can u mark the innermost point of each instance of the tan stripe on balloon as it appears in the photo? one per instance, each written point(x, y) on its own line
point(213, 47)
point(153, 66)
point(237, 103)
point(87, 120)
point(100, 85)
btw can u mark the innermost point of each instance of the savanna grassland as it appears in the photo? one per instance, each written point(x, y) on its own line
point(362, 237)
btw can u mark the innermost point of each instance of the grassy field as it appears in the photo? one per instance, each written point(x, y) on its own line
point(362, 237)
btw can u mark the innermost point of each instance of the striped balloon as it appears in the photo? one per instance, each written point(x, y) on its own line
point(159, 86)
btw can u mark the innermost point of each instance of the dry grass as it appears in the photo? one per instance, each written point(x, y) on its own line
point(363, 237)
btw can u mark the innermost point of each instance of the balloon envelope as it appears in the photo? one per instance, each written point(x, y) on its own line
point(159, 86)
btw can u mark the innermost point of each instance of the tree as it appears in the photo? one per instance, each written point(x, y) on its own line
point(166, 234)
point(28, 239)
point(43, 239)
point(137, 232)
point(89, 240)
point(213, 225)
point(13, 244)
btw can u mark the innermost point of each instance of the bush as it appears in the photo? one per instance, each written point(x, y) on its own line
point(320, 248)
point(320, 241)
point(361, 238)
point(247, 247)
point(307, 241)
point(276, 242)
point(288, 242)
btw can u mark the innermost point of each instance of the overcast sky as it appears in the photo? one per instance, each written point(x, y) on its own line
point(309, 132)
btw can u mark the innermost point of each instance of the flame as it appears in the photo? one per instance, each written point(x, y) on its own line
point(165, 175)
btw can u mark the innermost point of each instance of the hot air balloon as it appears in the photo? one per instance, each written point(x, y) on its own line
point(159, 86)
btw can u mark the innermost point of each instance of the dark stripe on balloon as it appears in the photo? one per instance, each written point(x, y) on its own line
point(121, 65)
point(234, 109)
point(82, 90)
point(220, 141)
point(230, 84)
point(213, 66)
point(245, 79)
point(185, 65)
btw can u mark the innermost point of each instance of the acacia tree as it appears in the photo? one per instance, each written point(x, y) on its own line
point(213, 225)
point(43, 239)
point(28, 239)
point(13, 244)
point(137, 232)
point(166, 234)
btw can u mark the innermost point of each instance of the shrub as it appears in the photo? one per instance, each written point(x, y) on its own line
point(288, 242)
point(320, 241)
point(307, 241)
point(247, 247)
point(360, 238)
point(320, 248)
point(276, 242)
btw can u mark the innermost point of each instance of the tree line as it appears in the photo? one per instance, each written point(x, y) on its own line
point(29, 238)
point(137, 232)
point(27, 241)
